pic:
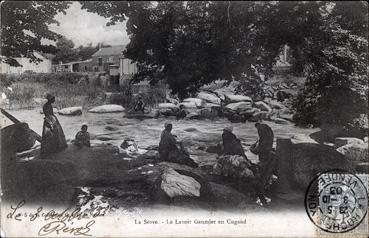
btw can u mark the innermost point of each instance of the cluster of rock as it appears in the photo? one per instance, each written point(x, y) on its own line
point(77, 111)
point(236, 108)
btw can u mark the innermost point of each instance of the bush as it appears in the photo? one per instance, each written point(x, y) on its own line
point(152, 94)
point(251, 85)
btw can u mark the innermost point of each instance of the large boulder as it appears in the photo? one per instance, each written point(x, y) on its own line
point(209, 97)
point(237, 98)
point(275, 104)
point(167, 112)
point(288, 117)
point(355, 151)
point(249, 111)
point(300, 163)
point(167, 105)
point(226, 196)
point(279, 120)
point(71, 111)
point(262, 106)
point(198, 101)
point(210, 105)
point(302, 139)
point(175, 184)
point(239, 106)
point(189, 105)
point(259, 116)
point(341, 141)
point(16, 138)
point(107, 108)
point(358, 127)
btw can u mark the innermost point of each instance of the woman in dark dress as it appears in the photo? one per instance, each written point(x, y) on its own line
point(232, 145)
point(53, 138)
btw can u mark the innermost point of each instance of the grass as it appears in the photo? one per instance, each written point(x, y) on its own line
point(69, 90)
point(27, 89)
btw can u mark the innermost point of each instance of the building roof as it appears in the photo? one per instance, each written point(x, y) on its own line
point(114, 50)
point(76, 62)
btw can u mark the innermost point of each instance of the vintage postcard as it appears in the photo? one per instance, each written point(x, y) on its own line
point(184, 119)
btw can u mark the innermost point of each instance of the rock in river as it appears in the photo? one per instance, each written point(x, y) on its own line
point(262, 106)
point(167, 105)
point(237, 98)
point(300, 163)
point(107, 108)
point(239, 106)
point(16, 138)
point(71, 111)
point(198, 101)
point(209, 97)
point(355, 151)
point(175, 184)
point(341, 141)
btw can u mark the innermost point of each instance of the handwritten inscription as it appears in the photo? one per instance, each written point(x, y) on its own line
point(61, 227)
point(58, 222)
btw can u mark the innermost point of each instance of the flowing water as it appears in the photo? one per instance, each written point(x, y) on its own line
point(195, 133)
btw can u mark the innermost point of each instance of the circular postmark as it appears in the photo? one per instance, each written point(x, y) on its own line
point(336, 201)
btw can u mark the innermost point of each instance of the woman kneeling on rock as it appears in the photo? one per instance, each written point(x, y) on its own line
point(169, 151)
point(53, 138)
point(82, 137)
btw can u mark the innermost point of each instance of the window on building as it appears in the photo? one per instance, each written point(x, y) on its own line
point(100, 61)
point(111, 59)
point(85, 68)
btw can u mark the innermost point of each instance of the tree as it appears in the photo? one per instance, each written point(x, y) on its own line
point(86, 52)
point(336, 91)
point(23, 26)
point(189, 44)
point(65, 51)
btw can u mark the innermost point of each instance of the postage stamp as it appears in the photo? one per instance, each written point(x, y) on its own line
point(336, 201)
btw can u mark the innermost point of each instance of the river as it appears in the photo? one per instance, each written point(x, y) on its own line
point(194, 133)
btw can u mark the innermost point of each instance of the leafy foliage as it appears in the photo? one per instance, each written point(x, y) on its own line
point(23, 26)
point(336, 64)
point(251, 85)
point(189, 44)
point(65, 51)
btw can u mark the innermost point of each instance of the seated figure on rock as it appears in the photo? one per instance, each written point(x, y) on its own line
point(140, 105)
point(169, 151)
point(231, 144)
point(181, 114)
point(82, 137)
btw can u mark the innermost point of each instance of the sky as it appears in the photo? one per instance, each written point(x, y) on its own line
point(83, 27)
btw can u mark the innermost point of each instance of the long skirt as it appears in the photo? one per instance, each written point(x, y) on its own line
point(53, 138)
